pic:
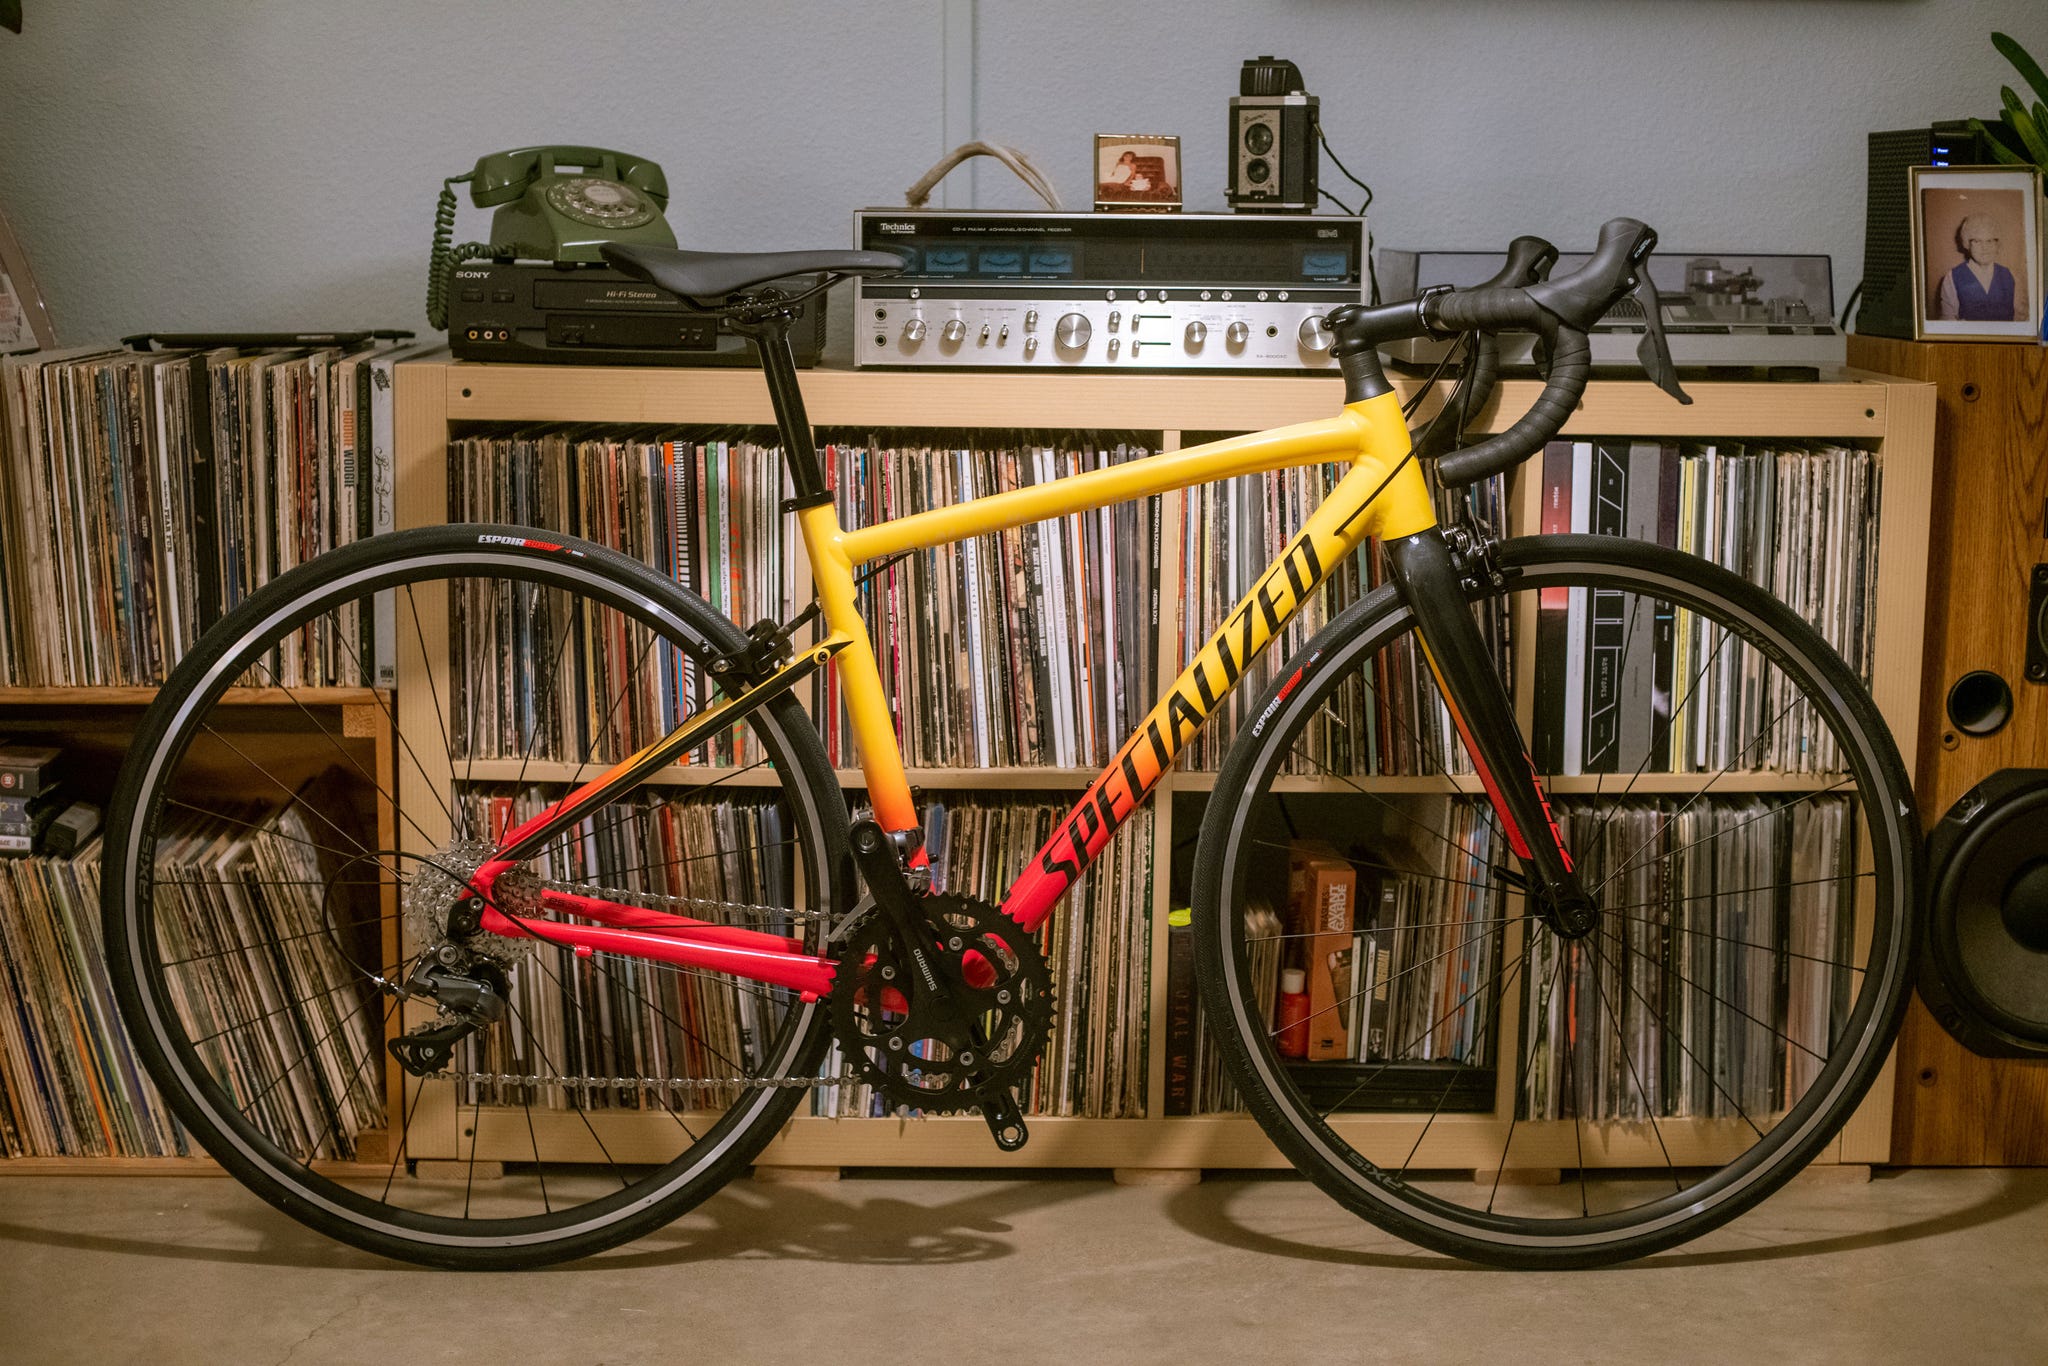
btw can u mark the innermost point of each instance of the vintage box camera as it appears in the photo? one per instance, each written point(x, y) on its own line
point(1273, 136)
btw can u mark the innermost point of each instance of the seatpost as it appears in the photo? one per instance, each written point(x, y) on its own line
point(770, 335)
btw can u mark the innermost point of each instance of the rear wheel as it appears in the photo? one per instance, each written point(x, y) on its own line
point(1755, 863)
point(262, 904)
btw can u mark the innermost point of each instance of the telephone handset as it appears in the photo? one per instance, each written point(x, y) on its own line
point(553, 204)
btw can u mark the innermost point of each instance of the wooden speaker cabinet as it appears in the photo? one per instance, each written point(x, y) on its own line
point(1989, 531)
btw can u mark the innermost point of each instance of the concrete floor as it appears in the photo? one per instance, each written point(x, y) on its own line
point(1945, 1266)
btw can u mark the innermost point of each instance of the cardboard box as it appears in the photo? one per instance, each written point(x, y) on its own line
point(1322, 895)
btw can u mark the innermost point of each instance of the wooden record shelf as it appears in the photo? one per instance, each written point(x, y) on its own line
point(438, 399)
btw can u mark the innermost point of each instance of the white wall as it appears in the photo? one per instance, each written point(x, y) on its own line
point(212, 164)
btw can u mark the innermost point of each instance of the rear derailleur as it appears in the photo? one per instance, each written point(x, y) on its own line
point(471, 996)
point(941, 1003)
point(464, 974)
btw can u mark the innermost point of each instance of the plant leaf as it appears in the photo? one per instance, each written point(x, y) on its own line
point(2017, 118)
point(2029, 69)
point(1994, 137)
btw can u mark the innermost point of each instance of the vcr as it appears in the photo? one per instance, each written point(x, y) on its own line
point(594, 315)
point(1058, 291)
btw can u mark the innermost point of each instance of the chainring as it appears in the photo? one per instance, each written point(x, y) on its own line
point(896, 1041)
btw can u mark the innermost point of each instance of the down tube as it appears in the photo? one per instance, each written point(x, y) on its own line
point(1345, 518)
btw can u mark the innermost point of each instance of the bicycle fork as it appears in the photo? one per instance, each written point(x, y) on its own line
point(1430, 580)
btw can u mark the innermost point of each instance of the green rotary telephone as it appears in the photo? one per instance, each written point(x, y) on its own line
point(556, 204)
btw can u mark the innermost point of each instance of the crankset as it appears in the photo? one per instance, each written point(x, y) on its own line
point(942, 1003)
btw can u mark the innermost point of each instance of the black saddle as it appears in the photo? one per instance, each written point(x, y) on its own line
point(711, 279)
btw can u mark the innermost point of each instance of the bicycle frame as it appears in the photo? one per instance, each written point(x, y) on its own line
point(1382, 495)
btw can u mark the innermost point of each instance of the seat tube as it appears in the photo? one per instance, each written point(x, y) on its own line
point(1429, 582)
point(799, 446)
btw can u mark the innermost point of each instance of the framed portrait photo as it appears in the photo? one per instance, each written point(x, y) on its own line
point(1137, 172)
point(1977, 253)
point(24, 321)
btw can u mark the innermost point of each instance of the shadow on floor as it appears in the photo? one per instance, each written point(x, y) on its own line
point(833, 1222)
point(1204, 1211)
point(842, 1223)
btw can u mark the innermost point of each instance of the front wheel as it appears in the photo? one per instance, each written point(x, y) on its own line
point(1480, 1083)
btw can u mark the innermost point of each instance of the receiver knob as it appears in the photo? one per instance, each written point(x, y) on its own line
point(913, 331)
point(1196, 335)
point(953, 331)
point(1236, 335)
point(1073, 332)
point(1314, 334)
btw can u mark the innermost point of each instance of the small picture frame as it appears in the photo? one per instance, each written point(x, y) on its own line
point(24, 320)
point(1137, 173)
point(1977, 253)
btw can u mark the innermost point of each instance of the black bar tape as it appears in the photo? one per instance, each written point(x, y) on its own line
point(1571, 365)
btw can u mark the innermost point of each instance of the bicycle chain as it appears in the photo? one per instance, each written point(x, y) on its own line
point(650, 1083)
point(626, 894)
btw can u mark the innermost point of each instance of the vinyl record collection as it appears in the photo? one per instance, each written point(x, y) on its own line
point(1738, 904)
point(1099, 946)
point(69, 1081)
point(1627, 684)
point(160, 489)
point(1230, 532)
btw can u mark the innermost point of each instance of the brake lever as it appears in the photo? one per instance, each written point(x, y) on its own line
point(1654, 351)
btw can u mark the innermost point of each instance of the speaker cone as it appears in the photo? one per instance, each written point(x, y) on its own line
point(1985, 976)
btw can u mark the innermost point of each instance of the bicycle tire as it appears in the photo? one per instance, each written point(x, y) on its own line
point(1447, 1217)
point(412, 1220)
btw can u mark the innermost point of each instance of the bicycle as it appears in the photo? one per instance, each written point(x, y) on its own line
point(763, 928)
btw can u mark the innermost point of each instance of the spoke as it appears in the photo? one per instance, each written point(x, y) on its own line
point(1600, 777)
point(1502, 982)
point(534, 1036)
point(1664, 1021)
point(1677, 709)
point(403, 1148)
point(1394, 1054)
point(291, 797)
point(554, 672)
point(1578, 1106)
point(1719, 830)
point(1521, 1088)
point(1628, 1056)
point(679, 1026)
point(1731, 939)
point(540, 1168)
point(391, 717)
point(334, 1113)
point(434, 695)
point(279, 834)
point(1687, 805)
point(1715, 996)
point(1367, 792)
point(334, 742)
point(1467, 942)
point(476, 1125)
point(324, 930)
point(1390, 868)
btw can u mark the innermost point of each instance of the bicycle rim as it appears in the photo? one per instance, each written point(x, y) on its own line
point(261, 898)
point(1667, 1071)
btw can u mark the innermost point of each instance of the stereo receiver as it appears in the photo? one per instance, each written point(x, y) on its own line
point(1050, 291)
